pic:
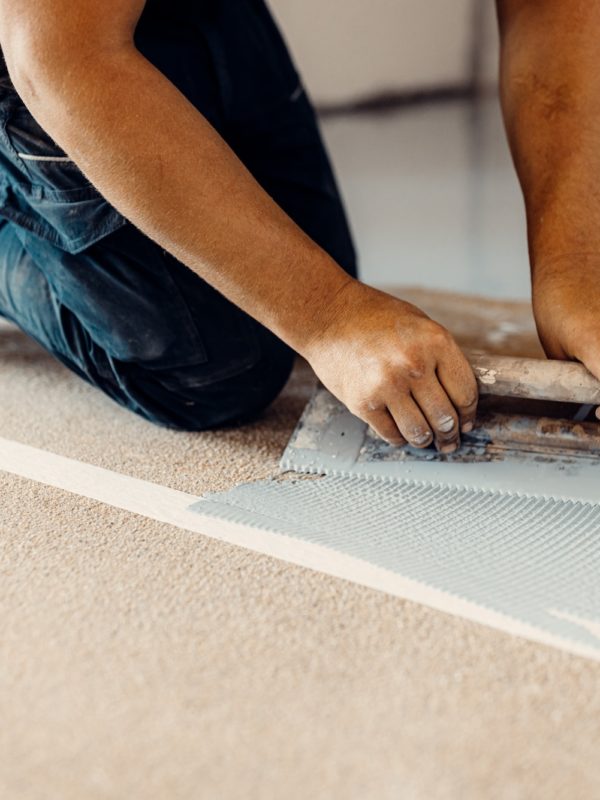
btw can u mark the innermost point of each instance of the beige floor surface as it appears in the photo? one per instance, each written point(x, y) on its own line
point(142, 661)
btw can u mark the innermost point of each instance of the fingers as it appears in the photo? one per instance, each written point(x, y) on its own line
point(428, 395)
point(443, 402)
point(589, 355)
point(410, 421)
point(440, 413)
point(458, 381)
point(428, 411)
point(384, 426)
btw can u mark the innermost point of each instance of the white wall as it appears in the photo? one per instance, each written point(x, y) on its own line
point(351, 49)
point(489, 56)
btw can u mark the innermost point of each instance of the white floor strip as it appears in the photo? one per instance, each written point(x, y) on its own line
point(171, 506)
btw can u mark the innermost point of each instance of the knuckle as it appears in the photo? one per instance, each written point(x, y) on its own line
point(470, 389)
point(413, 365)
point(389, 381)
point(469, 405)
point(439, 336)
point(468, 397)
point(379, 379)
point(416, 371)
point(364, 405)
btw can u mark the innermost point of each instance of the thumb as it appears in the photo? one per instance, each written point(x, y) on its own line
point(552, 346)
point(589, 355)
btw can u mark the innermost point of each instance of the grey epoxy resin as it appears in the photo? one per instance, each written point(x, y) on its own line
point(329, 439)
point(518, 541)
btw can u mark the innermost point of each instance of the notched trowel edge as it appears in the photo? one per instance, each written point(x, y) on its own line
point(544, 461)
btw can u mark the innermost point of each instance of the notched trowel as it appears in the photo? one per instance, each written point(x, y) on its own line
point(533, 406)
point(535, 422)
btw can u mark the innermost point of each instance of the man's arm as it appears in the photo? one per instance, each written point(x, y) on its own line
point(550, 88)
point(160, 163)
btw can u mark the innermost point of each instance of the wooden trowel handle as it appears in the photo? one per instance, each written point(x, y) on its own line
point(535, 378)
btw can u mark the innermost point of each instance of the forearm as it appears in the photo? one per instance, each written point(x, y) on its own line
point(158, 161)
point(161, 164)
point(550, 89)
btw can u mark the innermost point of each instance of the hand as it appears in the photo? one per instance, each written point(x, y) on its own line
point(395, 368)
point(566, 304)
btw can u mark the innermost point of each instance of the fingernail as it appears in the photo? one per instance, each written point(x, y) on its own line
point(467, 427)
point(446, 424)
point(448, 448)
point(422, 438)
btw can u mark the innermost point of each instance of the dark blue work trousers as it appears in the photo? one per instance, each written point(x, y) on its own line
point(114, 306)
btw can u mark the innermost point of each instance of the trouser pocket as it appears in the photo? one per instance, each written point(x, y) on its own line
point(42, 190)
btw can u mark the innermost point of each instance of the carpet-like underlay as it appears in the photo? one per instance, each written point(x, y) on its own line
point(140, 660)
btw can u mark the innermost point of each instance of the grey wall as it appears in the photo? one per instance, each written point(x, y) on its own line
point(352, 49)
